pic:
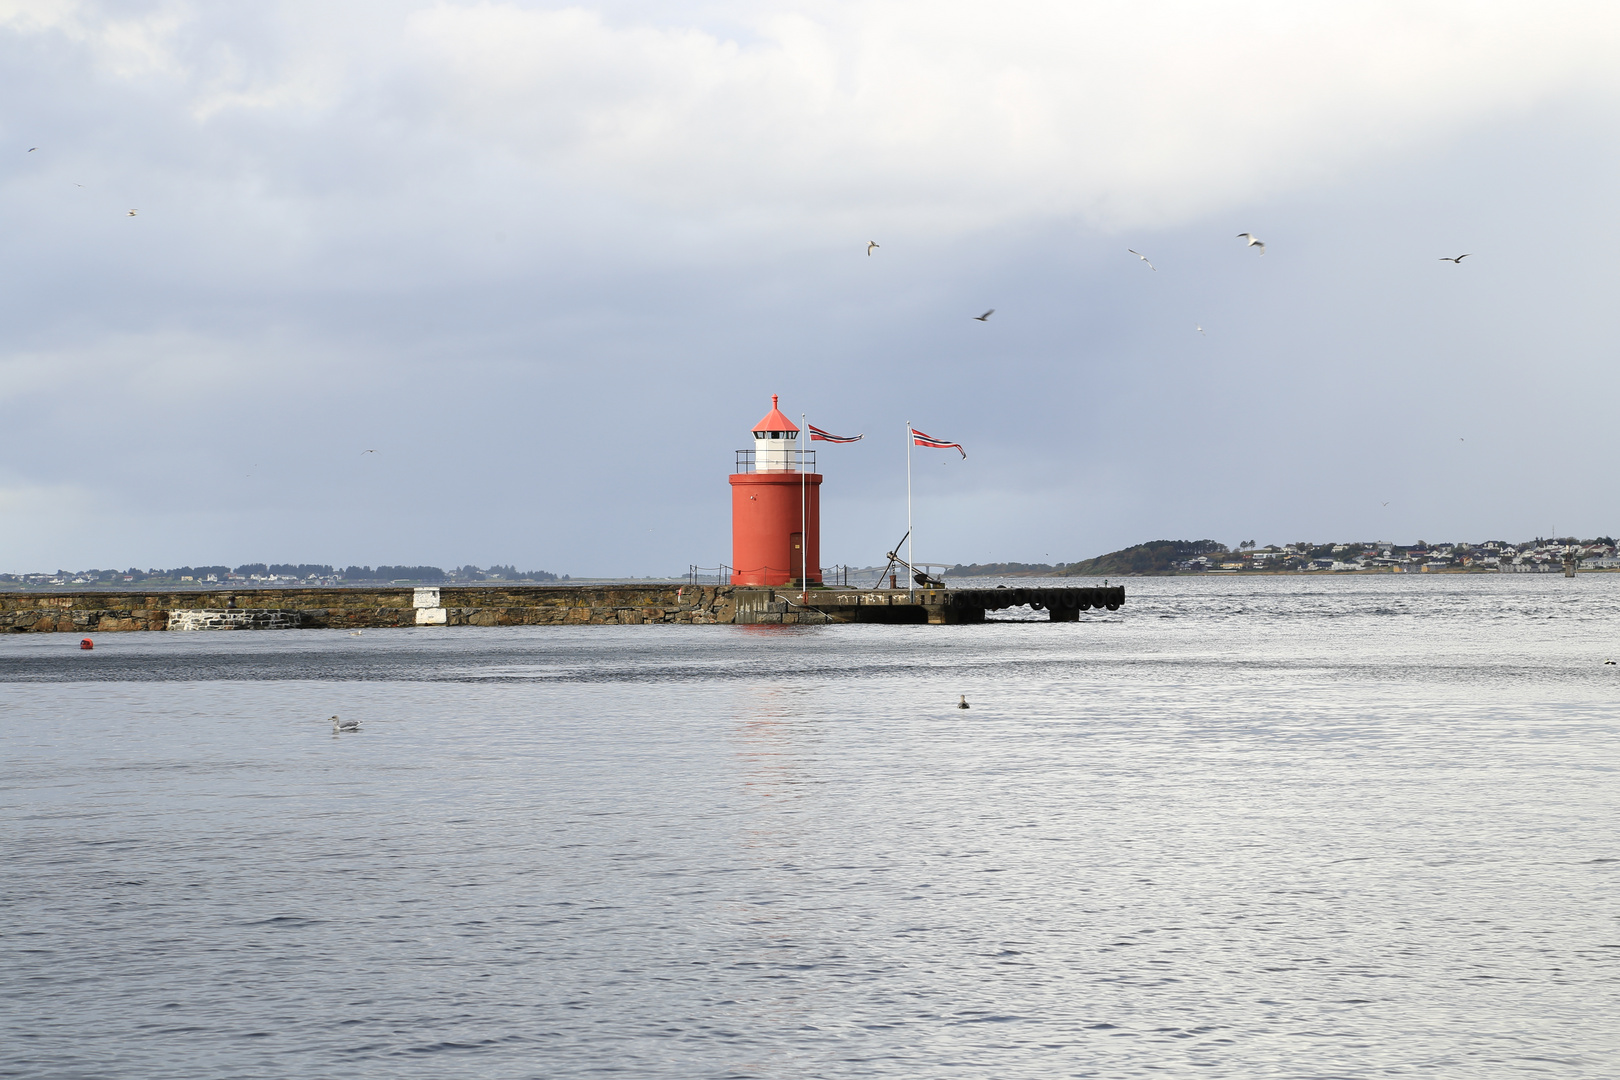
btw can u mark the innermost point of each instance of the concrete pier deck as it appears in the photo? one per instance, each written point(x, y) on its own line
point(105, 611)
point(936, 606)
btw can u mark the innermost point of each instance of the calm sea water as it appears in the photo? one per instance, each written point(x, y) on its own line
point(1240, 828)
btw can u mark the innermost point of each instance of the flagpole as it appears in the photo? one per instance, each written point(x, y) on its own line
point(911, 541)
point(804, 533)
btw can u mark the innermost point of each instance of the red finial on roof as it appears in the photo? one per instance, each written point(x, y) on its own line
point(775, 421)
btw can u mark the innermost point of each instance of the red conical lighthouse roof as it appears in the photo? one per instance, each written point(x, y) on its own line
point(775, 421)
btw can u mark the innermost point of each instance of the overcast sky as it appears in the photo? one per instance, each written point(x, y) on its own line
point(550, 262)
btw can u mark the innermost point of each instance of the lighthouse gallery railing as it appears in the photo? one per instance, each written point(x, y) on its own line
point(775, 460)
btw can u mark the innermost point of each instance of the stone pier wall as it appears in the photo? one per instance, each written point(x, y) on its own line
point(356, 609)
point(525, 605)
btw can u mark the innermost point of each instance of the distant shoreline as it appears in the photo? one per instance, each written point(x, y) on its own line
point(156, 586)
point(1555, 571)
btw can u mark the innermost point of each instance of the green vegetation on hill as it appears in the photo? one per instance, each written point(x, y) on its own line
point(1154, 557)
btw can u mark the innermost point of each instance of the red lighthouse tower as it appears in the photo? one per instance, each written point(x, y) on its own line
point(776, 508)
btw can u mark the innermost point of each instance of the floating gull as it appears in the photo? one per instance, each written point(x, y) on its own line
point(963, 703)
point(344, 725)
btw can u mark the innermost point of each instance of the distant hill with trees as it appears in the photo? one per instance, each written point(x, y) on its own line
point(1003, 569)
point(1153, 557)
point(276, 574)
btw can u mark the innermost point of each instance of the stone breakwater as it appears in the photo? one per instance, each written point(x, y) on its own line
point(358, 609)
point(527, 605)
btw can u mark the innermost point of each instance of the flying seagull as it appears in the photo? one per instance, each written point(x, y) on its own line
point(870, 244)
point(364, 452)
point(1383, 504)
point(31, 149)
point(1200, 329)
point(1143, 257)
point(132, 213)
point(1458, 259)
point(986, 315)
point(1253, 241)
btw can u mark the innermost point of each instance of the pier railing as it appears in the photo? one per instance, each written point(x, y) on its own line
point(840, 576)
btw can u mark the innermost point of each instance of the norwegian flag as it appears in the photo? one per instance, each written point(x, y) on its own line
point(817, 435)
point(919, 439)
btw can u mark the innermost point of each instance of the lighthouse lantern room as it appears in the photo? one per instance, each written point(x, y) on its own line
point(776, 508)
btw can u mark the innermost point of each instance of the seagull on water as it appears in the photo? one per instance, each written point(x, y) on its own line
point(986, 315)
point(1458, 259)
point(344, 725)
point(870, 244)
point(1253, 241)
point(963, 703)
point(1144, 258)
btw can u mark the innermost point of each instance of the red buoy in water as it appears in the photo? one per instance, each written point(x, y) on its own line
point(86, 643)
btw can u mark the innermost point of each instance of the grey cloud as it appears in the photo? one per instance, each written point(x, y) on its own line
point(556, 299)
